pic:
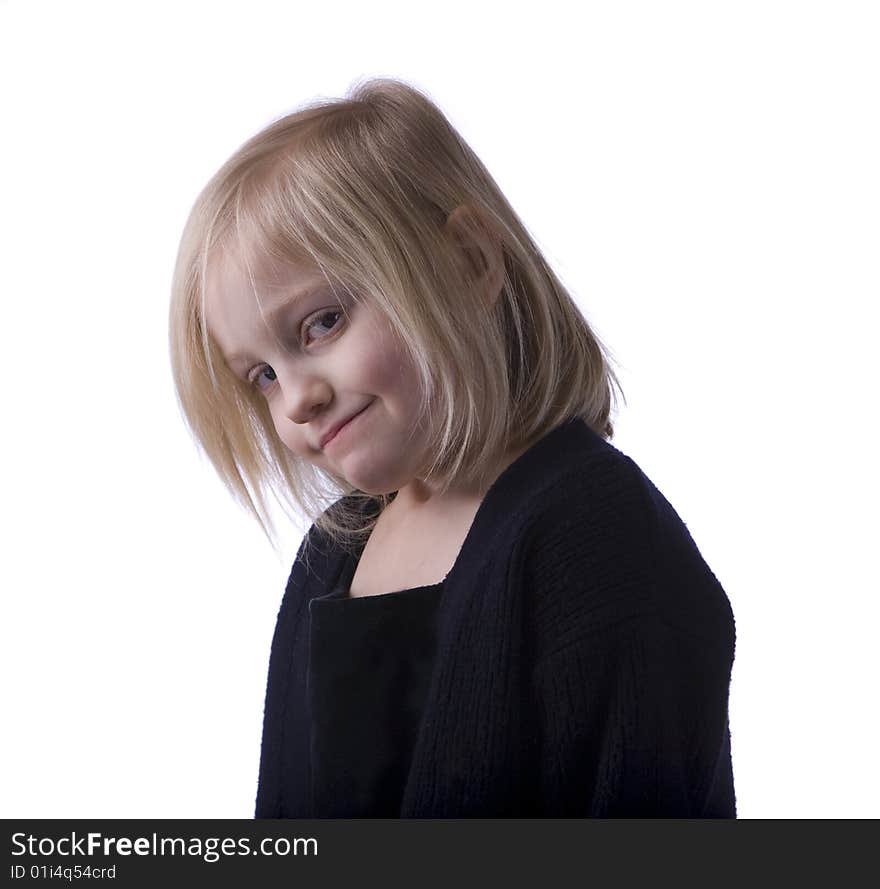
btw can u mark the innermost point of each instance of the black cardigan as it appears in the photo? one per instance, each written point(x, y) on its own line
point(584, 655)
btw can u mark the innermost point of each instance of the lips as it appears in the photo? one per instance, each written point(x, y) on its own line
point(332, 432)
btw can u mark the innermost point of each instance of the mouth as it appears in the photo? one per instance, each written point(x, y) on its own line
point(331, 436)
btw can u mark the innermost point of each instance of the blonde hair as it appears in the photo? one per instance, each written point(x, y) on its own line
point(362, 187)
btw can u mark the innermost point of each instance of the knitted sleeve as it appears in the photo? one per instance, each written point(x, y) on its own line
point(283, 734)
point(633, 648)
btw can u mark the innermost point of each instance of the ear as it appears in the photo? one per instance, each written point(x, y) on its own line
point(479, 244)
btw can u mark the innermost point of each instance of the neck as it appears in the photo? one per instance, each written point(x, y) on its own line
point(421, 497)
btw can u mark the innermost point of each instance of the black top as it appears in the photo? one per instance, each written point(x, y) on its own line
point(370, 661)
point(582, 664)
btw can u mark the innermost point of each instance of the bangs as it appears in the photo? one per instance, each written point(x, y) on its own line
point(280, 224)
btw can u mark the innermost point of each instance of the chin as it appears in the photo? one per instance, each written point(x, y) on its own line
point(374, 482)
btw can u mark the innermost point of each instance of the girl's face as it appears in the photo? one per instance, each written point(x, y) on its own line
point(340, 390)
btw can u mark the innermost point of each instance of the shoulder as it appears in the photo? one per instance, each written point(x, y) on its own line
point(604, 485)
point(590, 525)
point(574, 480)
point(600, 546)
point(577, 494)
point(567, 472)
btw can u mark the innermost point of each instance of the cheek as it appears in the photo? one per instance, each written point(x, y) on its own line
point(385, 376)
point(379, 360)
point(390, 371)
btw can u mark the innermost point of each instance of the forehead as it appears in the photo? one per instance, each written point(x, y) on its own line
point(239, 291)
point(235, 277)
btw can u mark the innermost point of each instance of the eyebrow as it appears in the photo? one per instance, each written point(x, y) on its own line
point(281, 307)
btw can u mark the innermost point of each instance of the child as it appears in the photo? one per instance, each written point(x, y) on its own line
point(495, 612)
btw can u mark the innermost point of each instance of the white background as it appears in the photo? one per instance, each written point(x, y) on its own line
point(702, 175)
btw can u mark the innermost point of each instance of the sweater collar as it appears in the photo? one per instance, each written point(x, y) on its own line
point(538, 466)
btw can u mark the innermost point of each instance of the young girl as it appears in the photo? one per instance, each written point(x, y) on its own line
point(495, 612)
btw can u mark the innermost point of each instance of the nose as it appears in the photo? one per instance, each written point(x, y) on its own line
point(305, 397)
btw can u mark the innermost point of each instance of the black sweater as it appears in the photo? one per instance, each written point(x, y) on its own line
point(583, 657)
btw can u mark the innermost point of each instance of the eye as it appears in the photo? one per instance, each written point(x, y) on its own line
point(262, 376)
point(320, 323)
